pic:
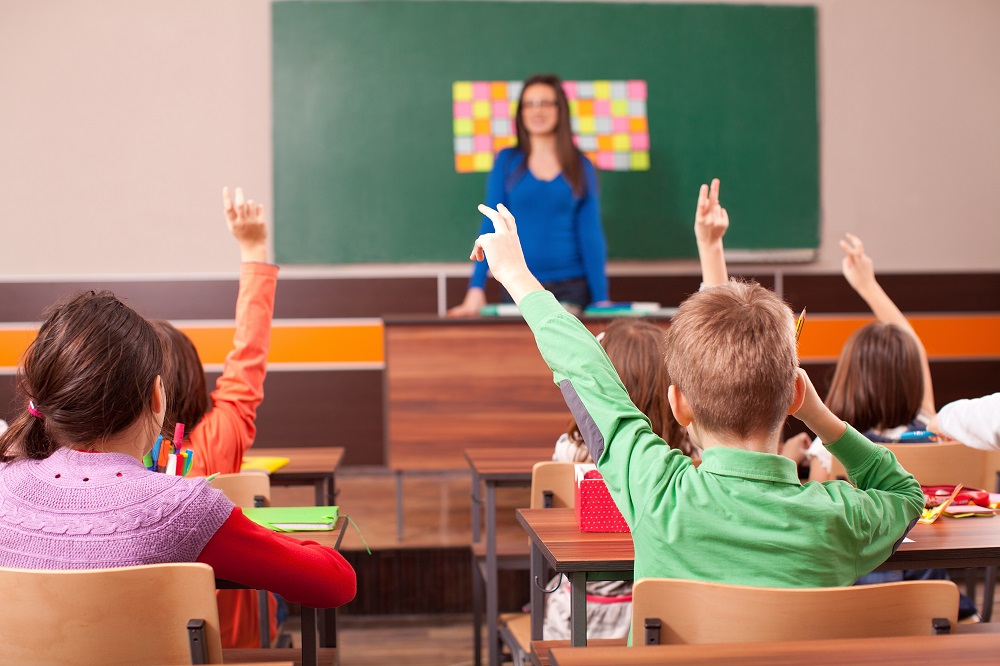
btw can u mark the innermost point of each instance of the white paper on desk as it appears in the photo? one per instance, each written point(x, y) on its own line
point(907, 540)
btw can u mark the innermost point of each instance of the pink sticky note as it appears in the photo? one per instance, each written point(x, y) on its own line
point(462, 110)
point(483, 143)
point(606, 160)
point(480, 90)
point(602, 107)
point(637, 89)
point(569, 87)
point(500, 108)
point(640, 141)
point(619, 124)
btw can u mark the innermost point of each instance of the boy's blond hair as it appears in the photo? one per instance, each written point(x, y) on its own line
point(731, 352)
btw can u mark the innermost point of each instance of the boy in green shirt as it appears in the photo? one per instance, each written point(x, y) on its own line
point(742, 517)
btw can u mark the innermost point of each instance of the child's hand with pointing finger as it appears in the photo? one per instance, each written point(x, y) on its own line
point(502, 251)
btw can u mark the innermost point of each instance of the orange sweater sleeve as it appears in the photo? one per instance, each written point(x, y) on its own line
point(228, 430)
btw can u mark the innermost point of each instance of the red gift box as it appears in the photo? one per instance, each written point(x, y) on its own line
point(595, 510)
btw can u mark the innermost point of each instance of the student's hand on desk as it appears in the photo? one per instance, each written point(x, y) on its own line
point(475, 299)
point(247, 225)
point(502, 250)
point(858, 268)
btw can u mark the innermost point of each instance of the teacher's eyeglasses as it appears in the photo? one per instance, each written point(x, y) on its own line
point(539, 103)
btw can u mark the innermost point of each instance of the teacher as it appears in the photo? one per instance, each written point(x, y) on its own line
point(551, 187)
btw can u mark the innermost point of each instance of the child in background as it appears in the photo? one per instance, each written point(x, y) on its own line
point(220, 437)
point(76, 494)
point(731, 357)
point(975, 423)
point(881, 385)
point(635, 347)
point(882, 382)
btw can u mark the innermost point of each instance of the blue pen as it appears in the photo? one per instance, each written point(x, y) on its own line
point(156, 452)
point(914, 436)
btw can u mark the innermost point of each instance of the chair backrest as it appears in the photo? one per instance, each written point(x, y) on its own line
point(698, 612)
point(941, 464)
point(131, 615)
point(241, 489)
point(557, 478)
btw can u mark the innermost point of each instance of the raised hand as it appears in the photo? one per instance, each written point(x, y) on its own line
point(710, 223)
point(247, 224)
point(710, 219)
point(502, 250)
point(857, 266)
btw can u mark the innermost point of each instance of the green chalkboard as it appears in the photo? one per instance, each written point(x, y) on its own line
point(364, 164)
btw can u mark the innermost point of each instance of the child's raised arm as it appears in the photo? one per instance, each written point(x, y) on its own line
point(859, 271)
point(502, 250)
point(246, 223)
point(710, 223)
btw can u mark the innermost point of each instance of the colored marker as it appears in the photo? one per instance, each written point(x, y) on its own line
point(178, 435)
point(211, 477)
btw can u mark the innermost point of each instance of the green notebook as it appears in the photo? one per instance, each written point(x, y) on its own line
point(294, 518)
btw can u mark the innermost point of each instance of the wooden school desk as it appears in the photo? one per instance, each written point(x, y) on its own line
point(582, 556)
point(307, 466)
point(902, 650)
point(502, 467)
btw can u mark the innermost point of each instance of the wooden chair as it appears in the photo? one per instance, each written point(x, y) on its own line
point(673, 611)
point(945, 464)
point(552, 486)
point(249, 490)
point(244, 490)
point(145, 615)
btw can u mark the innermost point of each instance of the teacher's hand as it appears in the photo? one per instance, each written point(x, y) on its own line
point(474, 301)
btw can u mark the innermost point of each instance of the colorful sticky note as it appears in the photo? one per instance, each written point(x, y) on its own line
point(461, 91)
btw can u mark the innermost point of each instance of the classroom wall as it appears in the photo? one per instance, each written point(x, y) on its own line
point(120, 121)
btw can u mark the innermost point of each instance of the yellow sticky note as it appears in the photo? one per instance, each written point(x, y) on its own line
point(463, 126)
point(482, 161)
point(621, 142)
point(481, 109)
point(461, 91)
point(602, 89)
point(574, 107)
point(640, 161)
point(619, 107)
point(586, 124)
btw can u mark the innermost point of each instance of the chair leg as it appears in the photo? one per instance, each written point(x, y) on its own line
point(264, 614)
point(989, 587)
point(970, 582)
point(477, 613)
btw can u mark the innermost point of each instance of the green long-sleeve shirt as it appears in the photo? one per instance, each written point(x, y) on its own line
point(741, 517)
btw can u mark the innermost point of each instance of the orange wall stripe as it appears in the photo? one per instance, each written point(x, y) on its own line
point(945, 337)
point(349, 343)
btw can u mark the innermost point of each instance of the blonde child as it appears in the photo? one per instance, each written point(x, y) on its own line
point(741, 517)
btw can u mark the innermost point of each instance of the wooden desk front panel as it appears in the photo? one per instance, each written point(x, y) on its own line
point(454, 386)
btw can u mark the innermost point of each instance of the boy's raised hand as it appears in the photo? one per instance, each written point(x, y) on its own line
point(502, 250)
point(247, 224)
point(816, 415)
point(858, 268)
point(710, 219)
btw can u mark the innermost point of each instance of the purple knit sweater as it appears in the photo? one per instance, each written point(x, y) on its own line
point(78, 510)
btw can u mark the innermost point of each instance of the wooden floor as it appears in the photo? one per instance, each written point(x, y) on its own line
point(436, 515)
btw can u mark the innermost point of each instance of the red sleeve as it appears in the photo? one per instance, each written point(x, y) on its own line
point(228, 430)
point(303, 572)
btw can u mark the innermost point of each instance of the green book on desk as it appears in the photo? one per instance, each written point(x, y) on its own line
point(294, 518)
